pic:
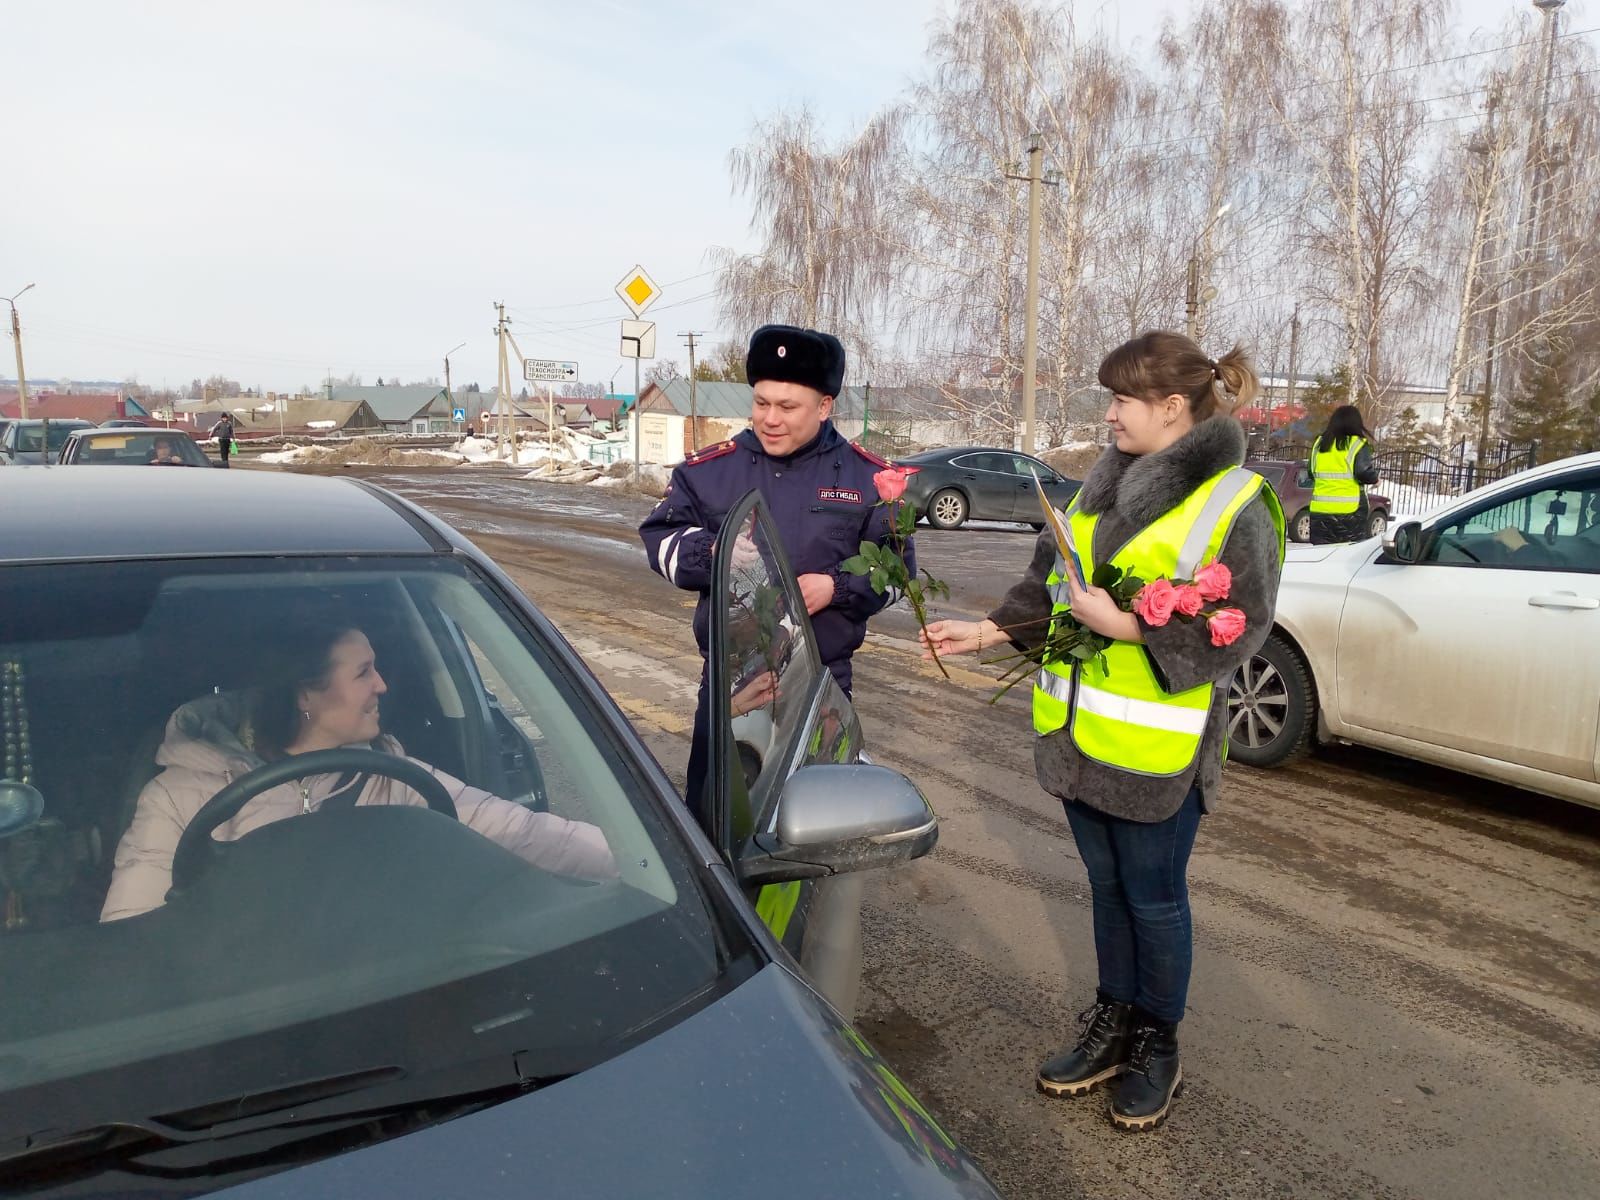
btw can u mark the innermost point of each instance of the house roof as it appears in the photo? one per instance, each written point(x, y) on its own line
point(605, 409)
point(311, 414)
point(394, 404)
point(66, 406)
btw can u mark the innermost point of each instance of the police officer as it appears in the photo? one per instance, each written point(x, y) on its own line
point(819, 491)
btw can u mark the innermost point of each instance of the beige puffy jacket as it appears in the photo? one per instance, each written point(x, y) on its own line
point(202, 754)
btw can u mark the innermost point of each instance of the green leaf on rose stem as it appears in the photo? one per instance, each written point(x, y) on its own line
point(855, 565)
point(879, 579)
point(872, 552)
point(1106, 575)
point(905, 520)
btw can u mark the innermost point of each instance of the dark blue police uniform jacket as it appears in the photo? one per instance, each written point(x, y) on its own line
point(822, 500)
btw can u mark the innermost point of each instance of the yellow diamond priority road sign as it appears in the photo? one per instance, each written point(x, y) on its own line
point(638, 291)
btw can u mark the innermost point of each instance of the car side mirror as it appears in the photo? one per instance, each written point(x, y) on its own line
point(1403, 542)
point(837, 818)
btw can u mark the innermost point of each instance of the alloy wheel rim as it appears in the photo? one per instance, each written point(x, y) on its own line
point(948, 508)
point(1258, 704)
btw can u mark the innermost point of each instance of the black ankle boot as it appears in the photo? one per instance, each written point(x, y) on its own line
point(1099, 1056)
point(1153, 1077)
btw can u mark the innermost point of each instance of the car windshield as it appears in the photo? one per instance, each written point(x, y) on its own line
point(30, 438)
point(139, 449)
point(330, 925)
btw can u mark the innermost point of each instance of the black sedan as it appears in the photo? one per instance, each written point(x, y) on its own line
point(386, 999)
point(979, 483)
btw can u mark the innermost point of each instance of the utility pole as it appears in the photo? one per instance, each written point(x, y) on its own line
point(503, 388)
point(1294, 366)
point(16, 338)
point(694, 411)
point(1035, 178)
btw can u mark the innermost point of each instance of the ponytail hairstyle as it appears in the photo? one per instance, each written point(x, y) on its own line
point(1158, 364)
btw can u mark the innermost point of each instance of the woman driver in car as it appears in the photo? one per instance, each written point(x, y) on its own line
point(328, 698)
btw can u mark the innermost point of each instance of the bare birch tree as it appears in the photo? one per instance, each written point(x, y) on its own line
point(827, 257)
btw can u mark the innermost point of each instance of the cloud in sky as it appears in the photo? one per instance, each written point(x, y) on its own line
point(275, 191)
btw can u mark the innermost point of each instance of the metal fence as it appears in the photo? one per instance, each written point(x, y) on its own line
point(1416, 480)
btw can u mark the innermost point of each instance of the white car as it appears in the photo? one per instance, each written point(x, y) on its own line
point(1469, 638)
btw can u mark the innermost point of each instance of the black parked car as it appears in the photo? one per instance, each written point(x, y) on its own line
point(979, 483)
point(374, 1001)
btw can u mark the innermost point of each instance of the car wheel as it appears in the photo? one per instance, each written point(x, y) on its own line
point(1271, 706)
point(1300, 527)
point(1036, 526)
point(947, 509)
point(1377, 523)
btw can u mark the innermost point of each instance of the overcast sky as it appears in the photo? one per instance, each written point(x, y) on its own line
point(278, 190)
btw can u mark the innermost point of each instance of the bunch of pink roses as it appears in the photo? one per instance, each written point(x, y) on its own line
point(1158, 601)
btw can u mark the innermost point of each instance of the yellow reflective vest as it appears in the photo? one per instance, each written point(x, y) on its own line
point(1334, 486)
point(1118, 714)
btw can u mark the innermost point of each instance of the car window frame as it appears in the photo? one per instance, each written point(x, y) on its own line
point(1580, 479)
point(963, 461)
point(723, 833)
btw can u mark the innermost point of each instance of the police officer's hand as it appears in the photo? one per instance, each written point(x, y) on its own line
point(817, 591)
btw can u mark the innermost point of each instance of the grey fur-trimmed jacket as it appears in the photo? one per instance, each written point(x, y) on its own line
point(1129, 492)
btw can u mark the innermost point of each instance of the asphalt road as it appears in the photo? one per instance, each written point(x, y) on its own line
point(1397, 977)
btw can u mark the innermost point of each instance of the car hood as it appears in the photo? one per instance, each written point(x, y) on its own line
point(766, 1092)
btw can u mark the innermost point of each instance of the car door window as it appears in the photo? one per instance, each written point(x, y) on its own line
point(1000, 464)
point(1549, 526)
point(766, 665)
point(1027, 467)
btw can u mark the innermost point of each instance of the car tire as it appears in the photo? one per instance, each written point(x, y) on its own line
point(1377, 523)
point(947, 509)
point(1272, 707)
point(1300, 527)
point(1036, 526)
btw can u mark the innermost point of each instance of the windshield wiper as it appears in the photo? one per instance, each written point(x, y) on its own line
point(263, 1129)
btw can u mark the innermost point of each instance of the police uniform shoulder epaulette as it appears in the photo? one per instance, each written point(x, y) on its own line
point(710, 452)
point(870, 456)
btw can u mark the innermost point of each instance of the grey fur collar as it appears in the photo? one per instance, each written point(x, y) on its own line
point(1144, 486)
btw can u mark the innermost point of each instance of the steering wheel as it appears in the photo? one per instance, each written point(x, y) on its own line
point(196, 849)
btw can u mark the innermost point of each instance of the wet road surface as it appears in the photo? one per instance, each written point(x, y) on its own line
point(1397, 970)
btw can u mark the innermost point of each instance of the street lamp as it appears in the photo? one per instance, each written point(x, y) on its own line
point(1192, 302)
point(16, 337)
point(449, 396)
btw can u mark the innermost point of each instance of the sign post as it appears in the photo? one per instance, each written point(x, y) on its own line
point(638, 291)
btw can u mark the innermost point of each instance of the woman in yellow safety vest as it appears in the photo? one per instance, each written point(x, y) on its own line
point(1340, 462)
point(1134, 748)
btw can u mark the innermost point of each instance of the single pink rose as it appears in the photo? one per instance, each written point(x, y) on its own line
point(1189, 602)
point(1227, 626)
point(1156, 601)
point(891, 484)
point(1214, 580)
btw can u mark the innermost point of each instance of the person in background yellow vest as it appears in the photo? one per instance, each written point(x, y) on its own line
point(1135, 755)
point(1340, 462)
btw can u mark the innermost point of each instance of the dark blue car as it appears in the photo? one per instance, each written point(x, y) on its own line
point(375, 1000)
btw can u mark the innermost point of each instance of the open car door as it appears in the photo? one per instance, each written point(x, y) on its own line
point(794, 803)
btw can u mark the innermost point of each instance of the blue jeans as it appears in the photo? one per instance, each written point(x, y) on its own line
point(1143, 938)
